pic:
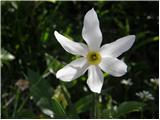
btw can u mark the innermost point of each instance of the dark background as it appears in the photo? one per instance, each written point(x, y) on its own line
point(27, 32)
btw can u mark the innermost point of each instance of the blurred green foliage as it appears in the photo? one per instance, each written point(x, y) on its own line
point(30, 52)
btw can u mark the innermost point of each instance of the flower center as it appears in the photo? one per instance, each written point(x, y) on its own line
point(93, 58)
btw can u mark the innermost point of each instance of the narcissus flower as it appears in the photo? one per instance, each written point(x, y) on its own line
point(93, 57)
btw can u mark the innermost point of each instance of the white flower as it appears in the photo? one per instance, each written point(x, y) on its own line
point(93, 57)
point(145, 95)
point(127, 82)
point(155, 81)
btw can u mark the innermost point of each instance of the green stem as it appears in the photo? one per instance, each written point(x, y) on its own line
point(141, 114)
point(94, 105)
point(126, 93)
point(16, 103)
point(23, 103)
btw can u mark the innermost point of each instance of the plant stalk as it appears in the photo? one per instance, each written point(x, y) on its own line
point(95, 96)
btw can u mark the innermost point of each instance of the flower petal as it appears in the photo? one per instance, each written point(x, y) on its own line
point(118, 47)
point(113, 66)
point(95, 78)
point(73, 70)
point(91, 32)
point(71, 46)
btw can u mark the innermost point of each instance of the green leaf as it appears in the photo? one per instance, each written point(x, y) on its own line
point(146, 41)
point(58, 109)
point(119, 23)
point(128, 107)
point(83, 104)
point(72, 111)
point(156, 38)
point(52, 65)
point(42, 94)
point(62, 95)
point(45, 35)
point(25, 114)
point(127, 27)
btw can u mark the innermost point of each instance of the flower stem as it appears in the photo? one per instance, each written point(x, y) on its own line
point(126, 93)
point(141, 113)
point(94, 105)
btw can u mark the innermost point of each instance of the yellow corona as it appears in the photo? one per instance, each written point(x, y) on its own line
point(93, 57)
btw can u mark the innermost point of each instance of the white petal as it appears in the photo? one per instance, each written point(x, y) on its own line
point(113, 66)
point(73, 70)
point(71, 46)
point(95, 78)
point(118, 47)
point(91, 32)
